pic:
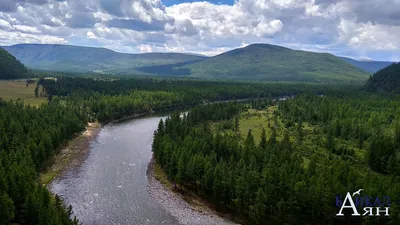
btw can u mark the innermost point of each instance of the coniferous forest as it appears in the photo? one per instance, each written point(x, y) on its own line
point(317, 148)
point(320, 144)
point(31, 136)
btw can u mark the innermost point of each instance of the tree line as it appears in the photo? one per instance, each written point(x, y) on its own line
point(368, 122)
point(11, 68)
point(29, 137)
point(266, 182)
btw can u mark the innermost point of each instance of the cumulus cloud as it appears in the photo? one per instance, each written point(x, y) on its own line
point(366, 28)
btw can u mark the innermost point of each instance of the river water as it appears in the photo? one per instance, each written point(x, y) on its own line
point(111, 186)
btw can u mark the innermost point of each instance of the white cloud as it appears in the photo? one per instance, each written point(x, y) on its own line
point(346, 27)
point(26, 29)
point(370, 36)
point(8, 38)
point(5, 24)
point(90, 35)
point(145, 48)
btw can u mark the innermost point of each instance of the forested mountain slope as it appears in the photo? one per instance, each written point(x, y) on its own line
point(88, 59)
point(369, 66)
point(10, 67)
point(385, 80)
point(274, 63)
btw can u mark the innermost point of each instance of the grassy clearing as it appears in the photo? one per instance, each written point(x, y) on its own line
point(14, 90)
point(256, 120)
point(313, 141)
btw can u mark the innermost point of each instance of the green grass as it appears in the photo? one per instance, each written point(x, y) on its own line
point(47, 177)
point(256, 120)
point(313, 141)
point(162, 177)
point(14, 90)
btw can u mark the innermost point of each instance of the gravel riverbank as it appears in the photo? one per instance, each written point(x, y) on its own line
point(72, 154)
point(179, 208)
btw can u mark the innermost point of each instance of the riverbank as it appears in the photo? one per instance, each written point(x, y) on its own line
point(195, 213)
point(72, 154)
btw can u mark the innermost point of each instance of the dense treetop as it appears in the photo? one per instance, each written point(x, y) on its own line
point(29, 137)
point(10, 67)
point(385, 80)
point(315, 152)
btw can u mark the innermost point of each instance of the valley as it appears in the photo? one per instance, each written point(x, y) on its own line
point(243, 153)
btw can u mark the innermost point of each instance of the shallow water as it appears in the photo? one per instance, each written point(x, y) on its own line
point(111, 185)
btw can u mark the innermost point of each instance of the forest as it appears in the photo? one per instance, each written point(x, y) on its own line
point(30, 136)
point(313, 149)
point(11, 68)
point(385, 80)
point(286, 175)
point(112, 99)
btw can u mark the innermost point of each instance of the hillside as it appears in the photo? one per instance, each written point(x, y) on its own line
point(10, 67)
point(385, 80)
point(88, 59)
point(274, 63)
point(369, 66)
point(257, 62)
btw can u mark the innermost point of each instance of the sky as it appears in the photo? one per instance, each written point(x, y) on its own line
point(361, 29)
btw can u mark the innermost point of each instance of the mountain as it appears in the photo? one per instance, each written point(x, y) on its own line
point(10, 67)
point(266, 62)
point(369, 66)
point(385, 80)
point(88, 59)
point(257, 62)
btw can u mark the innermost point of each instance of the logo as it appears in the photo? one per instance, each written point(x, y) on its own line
point(359, 205)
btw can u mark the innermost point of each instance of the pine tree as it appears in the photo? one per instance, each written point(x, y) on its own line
point(236, 124)
point(263, 141)
point(6, 209)
point(300, 133)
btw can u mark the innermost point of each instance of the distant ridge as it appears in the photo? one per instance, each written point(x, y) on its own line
point(369, 66)
point(256, 62)
point(69, 58)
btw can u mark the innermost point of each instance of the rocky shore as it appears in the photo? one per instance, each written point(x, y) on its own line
point(72, 154)
point(179, 208)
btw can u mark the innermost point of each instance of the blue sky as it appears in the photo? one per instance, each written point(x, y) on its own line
point(353, 28)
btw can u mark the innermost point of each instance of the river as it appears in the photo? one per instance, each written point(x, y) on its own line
point(111, 186)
